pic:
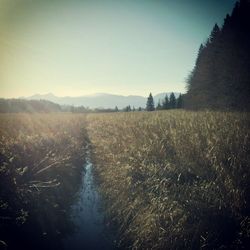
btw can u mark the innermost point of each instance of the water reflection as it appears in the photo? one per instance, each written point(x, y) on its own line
point(88, 218)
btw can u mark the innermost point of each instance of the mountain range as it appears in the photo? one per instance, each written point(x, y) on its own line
point(99, 100)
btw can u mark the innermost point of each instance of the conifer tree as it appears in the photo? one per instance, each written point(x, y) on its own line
point(159, 106)
point(172, 101)
point(165, 103)
point(214, 33)
point(221, 76)
point(150, 103)
point(127, 108)
point(179, 102)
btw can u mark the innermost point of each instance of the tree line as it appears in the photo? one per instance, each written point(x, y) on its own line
point(170, 102)
point(221, 75)
point(44, 106)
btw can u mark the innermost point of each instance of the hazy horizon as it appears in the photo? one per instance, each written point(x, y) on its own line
point(98, 93)
point(119, 47)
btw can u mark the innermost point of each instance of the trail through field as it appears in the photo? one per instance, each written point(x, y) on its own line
point(87, 215)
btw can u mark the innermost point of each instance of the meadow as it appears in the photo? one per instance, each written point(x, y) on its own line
point(169, 179)
point(41, 160)
point(175, 179)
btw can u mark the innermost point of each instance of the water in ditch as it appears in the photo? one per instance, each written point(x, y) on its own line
point(90, 231)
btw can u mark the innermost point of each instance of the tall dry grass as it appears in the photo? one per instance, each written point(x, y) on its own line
point(41, 157)
point(175, 179)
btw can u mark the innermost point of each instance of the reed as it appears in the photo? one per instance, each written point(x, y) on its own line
point(174, 179)
point(41, 159)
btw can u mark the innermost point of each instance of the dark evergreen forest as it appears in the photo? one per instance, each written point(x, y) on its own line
point(220, 79)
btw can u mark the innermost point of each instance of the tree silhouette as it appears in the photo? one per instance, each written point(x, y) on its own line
point(179, 102)
point(159, 106)
point(172, 101)
point(221, 76)
point(150, 103)
point(214, 33)
point(127, 108)
point(165, 103)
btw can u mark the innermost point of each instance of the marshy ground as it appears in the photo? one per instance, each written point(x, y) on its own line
point(170, 179)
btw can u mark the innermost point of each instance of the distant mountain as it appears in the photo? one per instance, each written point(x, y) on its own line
point(50, 97)
point(99, 100)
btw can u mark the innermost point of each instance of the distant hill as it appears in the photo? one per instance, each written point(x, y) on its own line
point(99, 100)
point(30, 106)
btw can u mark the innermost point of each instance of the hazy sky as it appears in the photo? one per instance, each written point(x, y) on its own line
point(82, 47)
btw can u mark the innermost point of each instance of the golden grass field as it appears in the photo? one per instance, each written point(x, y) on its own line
point(175, 179)
point(41, 158)
point(169, 179)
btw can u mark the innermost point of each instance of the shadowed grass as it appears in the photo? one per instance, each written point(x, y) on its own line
point(41, 157)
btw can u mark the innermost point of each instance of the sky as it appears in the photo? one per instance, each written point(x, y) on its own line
point(82, 47)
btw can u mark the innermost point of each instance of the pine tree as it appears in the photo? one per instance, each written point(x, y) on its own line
point(127, 108)
point(165, 103)
point(179, 102)
point(220, 78)
point(172, 101)
point(214, 33)
point(150, 103)
point(159, 106)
